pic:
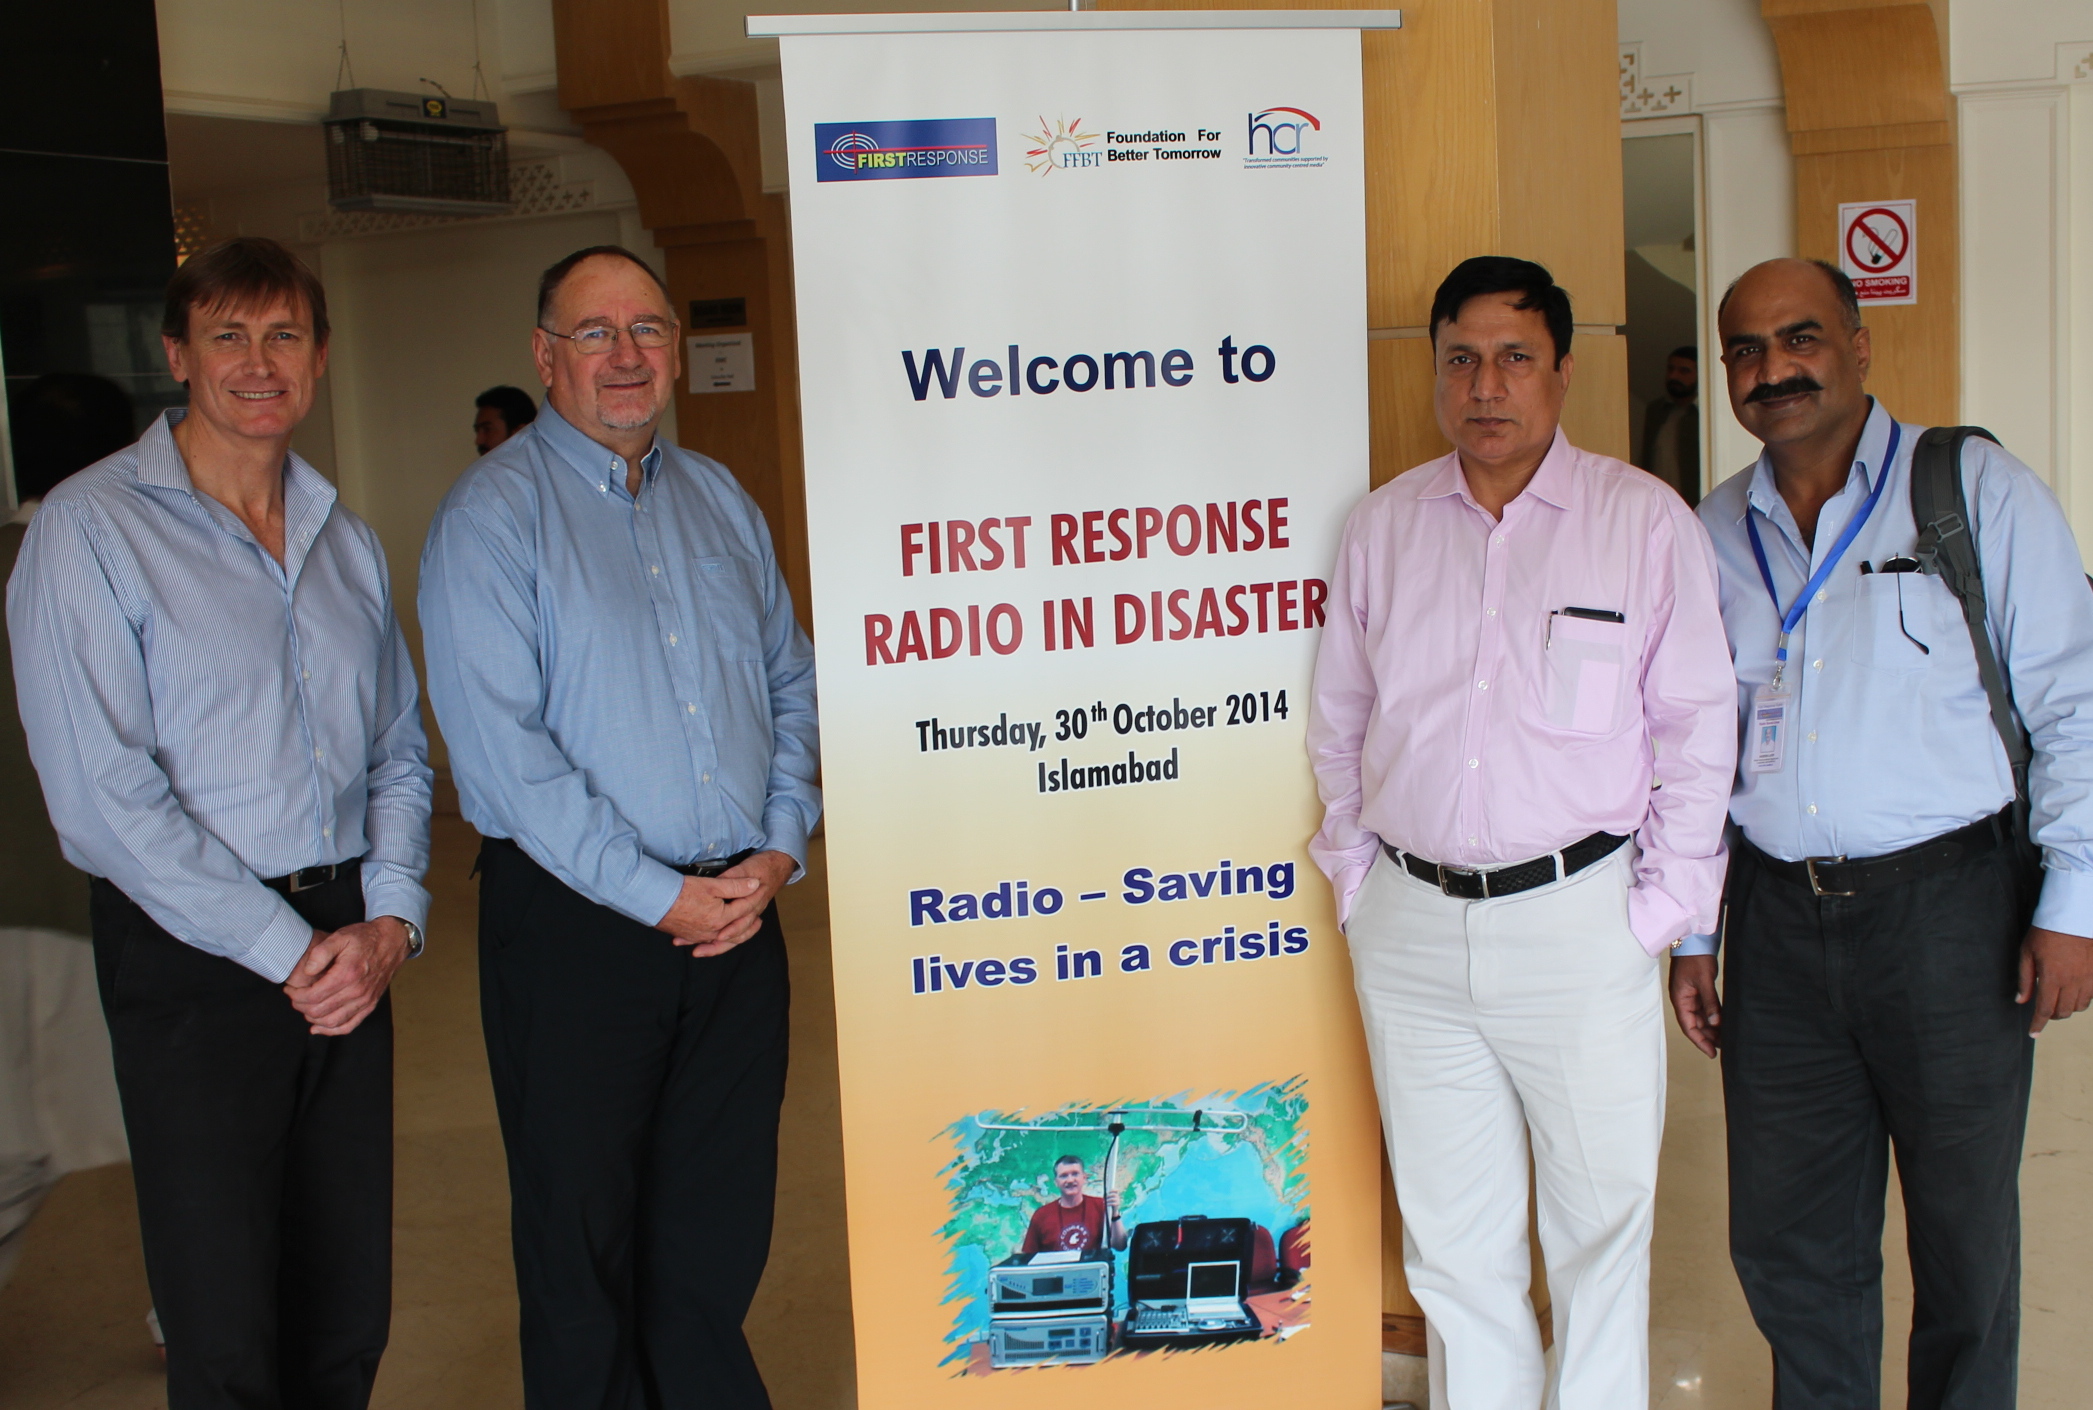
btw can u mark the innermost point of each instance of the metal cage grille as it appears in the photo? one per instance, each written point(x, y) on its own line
point(440, 157)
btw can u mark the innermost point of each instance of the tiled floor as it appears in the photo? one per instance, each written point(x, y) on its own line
point(72, 1331)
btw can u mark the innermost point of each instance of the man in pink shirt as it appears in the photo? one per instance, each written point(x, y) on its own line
point(1524, 732)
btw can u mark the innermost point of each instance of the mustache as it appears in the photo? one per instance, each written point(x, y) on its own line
point(1794, 386)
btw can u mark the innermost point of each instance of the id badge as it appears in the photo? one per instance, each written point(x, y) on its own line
point(1772, 710)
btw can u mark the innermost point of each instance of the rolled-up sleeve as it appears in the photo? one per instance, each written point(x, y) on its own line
point(1689, 695)
point(480, 630)
point(80, 680)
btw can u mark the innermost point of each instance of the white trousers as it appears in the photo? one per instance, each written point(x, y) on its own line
point(1536, 1016)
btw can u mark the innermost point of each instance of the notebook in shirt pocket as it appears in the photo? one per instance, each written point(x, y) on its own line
point(1585, 663)
point(731, 609)
point(1880, 640)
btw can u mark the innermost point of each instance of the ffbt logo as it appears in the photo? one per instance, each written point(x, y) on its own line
point(1279, 132)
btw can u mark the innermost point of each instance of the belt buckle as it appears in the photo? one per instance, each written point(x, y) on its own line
point(1816, 886)
point(320, 876)
point(1446, 871)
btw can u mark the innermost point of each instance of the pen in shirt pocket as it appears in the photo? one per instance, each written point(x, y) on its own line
point(1586, 614)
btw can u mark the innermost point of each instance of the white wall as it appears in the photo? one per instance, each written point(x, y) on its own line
point(2022, 73)
point(1718, 56)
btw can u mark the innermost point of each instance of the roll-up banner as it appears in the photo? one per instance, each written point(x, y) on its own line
point(1082, 333)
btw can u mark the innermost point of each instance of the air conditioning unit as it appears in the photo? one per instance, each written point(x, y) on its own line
point(406, 152)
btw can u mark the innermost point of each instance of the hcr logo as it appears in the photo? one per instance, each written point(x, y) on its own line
point(1282, 129)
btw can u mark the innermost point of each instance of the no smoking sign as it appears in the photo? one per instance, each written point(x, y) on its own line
point(1878, 249)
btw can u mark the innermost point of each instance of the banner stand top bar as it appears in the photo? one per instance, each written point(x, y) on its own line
point(1020, 21)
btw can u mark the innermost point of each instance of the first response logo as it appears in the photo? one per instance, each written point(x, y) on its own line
point(882, 151)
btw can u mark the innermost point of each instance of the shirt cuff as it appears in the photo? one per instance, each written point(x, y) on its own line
point(276, 953)
point(395, 897)
point(2067, 902)
point(1695, 945)
point(782, 832)
point(1655, 918)
point(653, 892)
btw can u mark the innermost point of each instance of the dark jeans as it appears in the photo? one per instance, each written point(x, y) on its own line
point(1851, 1026)
point(263, 1161)
point(639, 1091)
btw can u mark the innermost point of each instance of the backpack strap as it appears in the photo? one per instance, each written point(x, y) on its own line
point(1948, 549)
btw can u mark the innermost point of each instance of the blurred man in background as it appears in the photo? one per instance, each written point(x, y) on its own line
point(1671, 428)
point(499, 413)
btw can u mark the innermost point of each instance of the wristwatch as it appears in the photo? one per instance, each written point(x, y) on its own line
point(415, 940)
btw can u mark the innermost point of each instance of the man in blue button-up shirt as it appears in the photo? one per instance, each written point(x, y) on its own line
point(629, 706)
point(1895, 931)
point(224, 721)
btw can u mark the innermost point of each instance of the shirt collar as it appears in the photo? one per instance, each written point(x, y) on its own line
point(1765, 496)
point(308, 497)
point(598, 464)
point(1554, 480)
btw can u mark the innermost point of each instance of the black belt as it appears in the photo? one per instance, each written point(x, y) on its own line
point(306, 878)
point(1467, 884)
point(1842, 876)
point(715, 868)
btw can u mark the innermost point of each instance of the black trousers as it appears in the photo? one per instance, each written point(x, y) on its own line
point(639, 1091)
point(263, 1161)
point(1852, 1026)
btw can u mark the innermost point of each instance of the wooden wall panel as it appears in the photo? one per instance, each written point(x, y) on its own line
point(1869, 119)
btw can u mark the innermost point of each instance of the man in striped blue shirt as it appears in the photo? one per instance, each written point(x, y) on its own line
point(629, 706)
point(223, 718)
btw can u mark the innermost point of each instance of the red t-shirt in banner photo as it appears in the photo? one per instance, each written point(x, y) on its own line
point(1056, 1226)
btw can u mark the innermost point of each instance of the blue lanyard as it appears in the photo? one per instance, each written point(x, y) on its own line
point(1816, 583)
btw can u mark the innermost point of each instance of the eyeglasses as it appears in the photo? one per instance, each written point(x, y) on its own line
point(596, 339)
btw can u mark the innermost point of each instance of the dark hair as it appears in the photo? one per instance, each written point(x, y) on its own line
point(1849, 302)
point(1068, 1160)
point(549, 282)
point(1497, 274)
point(244, 272)
point(66, 421)
point(1691, 353)
point(513, 403)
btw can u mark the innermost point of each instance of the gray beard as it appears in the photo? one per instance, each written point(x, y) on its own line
point(637, 423)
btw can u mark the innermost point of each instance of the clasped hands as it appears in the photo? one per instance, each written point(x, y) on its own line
point(345, 972)
point(713, 914)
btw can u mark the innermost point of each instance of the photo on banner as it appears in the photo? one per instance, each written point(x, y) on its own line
point(1082, 336)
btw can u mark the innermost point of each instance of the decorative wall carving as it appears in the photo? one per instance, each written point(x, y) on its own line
point(1655, 95)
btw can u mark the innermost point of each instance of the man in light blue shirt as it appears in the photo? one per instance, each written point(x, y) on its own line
point(224, 721)
point(629, 705)
point(1896, 929)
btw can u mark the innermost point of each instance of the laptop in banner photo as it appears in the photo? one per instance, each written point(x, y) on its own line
point(896, 151)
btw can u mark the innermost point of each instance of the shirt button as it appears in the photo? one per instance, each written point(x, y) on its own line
point(1813, 810)
point(1471, 763)
point(705, 778)
point(656, 568)
point(326, 832)
point(306, 674)
point(1471, 842)
point(690, 709)
point(1482, 685)
point(1813, 736)
point(1489, 612)
point(319, 753)
point(1498, 539)
point(1818, 664)
point(603, 489)
point(672, 638)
